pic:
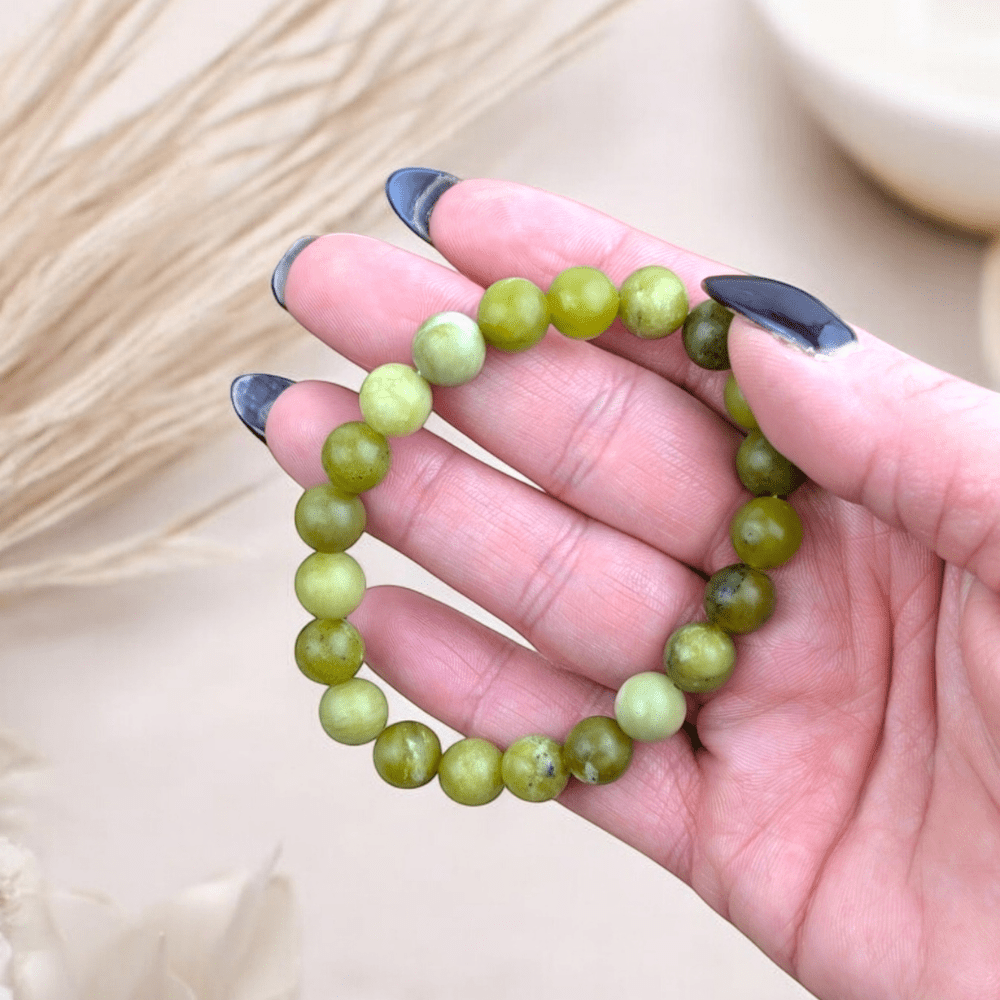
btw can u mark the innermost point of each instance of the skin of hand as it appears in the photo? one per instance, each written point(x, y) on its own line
point(843, 808)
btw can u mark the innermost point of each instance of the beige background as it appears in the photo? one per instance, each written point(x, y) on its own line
point(181, 740)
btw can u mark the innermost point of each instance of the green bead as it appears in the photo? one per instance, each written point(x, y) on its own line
point(449, 349)
point(583, 302)
point(705, 334)
point(329, 584)
point(395, 400)
point(765, 472)
point(597, 750)
point(737, 406)
point(699, 657)
point(513, 314)
point(739, 598)
point(354, 712)
point(652, 302)
point(407, 754)
point(329, 651)
point(533, 768)
point(766, 532)
point(649, 707)
point(469, 772)
point(355, 457)
point(328, 519)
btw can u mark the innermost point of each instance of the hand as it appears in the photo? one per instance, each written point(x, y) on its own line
point(843, 807)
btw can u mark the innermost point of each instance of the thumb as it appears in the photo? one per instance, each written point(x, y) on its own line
point(917, 447)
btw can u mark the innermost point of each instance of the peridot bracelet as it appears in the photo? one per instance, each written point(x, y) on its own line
point(450, 349)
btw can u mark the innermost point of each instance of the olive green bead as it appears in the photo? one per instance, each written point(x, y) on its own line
point(583, 302)
point(766, 532)
point(763, 470)
point(513, 314)
point(706, 331)
point(329, 584)
point(652, 302)
point(329, 651)
point(328, 519)
point(699, 657)
point(533, 768)
point(354, 712)
point(449, 349)
point(469, 772)
point(649, 707)
point(737, 406)
point(597, 750)
point(739, 598)
point(395, 399)
point(407, 754)
point(355, 457)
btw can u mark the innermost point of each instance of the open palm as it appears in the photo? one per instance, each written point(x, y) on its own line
point(840, 802)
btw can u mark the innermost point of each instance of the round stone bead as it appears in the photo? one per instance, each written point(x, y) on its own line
point(469, 772)
point(395, 399)
point(329, 584)
point(649, 706)
point(533, 768)
point(354, 712)
point(329, 651)
point(583, 302)
point(328, 519)
point(763, 470)
point(699, 657)
point(513, 314)
point(706, 330)
point(737, 406)
point(652, 302)
point(597, 750)
point(739, 598)
point(766, 532)
point(407, 754)
point(355, 457)
point(449, 349)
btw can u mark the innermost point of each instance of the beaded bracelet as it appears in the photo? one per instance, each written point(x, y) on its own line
point(449, 349)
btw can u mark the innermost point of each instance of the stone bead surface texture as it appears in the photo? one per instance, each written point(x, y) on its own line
point(649, 706)
point(763, 470)
point(513, 314)
point(329, 651)
point(470, 773)
point(449, 349)
point(329, 584)
point(583, 302)
point(533, 768)
point(597, 750)
point(355, 457)
point(407, 754)
point(395, 399)
point(737, 406)
point(706, 331)
point(653, 302)
point(739, 598)
point(699, 657)
point(766, 532)
point(354, 712)
point(328, 519)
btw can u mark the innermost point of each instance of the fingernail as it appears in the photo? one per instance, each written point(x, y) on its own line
point(253, 396)
point(794, 315)
point(280, 275)
point(413, 192)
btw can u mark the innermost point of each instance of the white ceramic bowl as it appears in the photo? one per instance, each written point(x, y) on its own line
point(911, 88)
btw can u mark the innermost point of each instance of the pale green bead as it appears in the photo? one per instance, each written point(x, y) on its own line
point(653, 302)
point(354, 712)
point(649, 706)
point(470, 773)
point(395, 400)
point(329, 584)
point(449, 349)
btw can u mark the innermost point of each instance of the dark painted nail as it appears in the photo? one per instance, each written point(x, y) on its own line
point(280, 275)
point(794, 315)
point(253, 396)
point(413, 192)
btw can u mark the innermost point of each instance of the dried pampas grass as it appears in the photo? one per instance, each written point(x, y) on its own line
point(134, 261)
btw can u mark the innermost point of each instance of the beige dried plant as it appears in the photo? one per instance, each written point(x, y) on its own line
point(133, 261)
